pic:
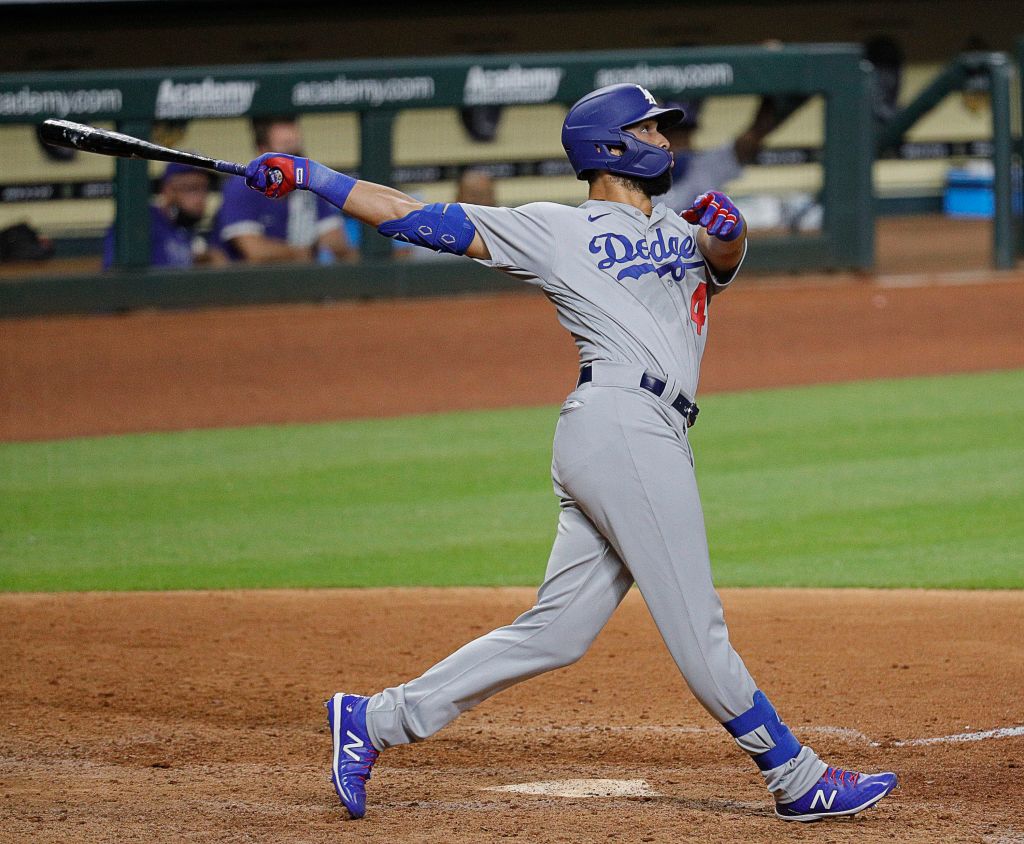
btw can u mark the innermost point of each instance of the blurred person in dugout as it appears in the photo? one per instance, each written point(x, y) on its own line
point(180, 205)
point(257, 230)
point(476, 187)
point(697, 171)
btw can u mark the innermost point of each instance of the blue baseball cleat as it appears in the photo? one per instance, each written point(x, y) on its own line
point(836, 794)
point(354, 753)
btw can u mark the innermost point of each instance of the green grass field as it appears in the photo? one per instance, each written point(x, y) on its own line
point(896, 483)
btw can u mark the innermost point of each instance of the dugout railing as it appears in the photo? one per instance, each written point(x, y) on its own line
point(377, 91)
point(998, 70)
point(1018, 180)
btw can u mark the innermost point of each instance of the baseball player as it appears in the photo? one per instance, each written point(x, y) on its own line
point(632, 283)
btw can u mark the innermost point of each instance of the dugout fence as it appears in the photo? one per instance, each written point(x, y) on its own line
point(995, 73)
point(386, 120)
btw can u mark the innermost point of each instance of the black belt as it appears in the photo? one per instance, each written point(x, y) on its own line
point(653, 385)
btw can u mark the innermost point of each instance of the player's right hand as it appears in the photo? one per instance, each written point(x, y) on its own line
point(275, 174)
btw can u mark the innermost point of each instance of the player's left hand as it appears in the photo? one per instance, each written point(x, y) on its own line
point(717, 213)
point(276, 175)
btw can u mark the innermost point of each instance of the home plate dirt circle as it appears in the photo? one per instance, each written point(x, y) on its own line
point(582, 788)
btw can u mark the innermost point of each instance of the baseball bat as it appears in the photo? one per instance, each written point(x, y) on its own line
point(64, 133)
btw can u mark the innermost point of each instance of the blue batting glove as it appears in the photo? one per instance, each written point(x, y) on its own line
point(276, 175)
point(717, 213)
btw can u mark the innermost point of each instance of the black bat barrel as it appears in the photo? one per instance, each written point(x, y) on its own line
point(64, 133)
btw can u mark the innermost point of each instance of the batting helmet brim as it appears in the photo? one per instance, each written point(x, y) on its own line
point(666, 117)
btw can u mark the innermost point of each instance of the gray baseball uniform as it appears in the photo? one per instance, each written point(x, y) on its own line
point(632, 290)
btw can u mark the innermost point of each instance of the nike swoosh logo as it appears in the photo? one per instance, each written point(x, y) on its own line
point(598, 217)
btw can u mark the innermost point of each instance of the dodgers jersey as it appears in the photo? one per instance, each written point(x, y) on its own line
point(630, 288)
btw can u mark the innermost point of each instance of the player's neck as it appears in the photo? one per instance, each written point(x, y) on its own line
point(608, 188)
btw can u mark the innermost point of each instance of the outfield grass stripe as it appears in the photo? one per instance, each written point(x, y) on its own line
point(915, 482)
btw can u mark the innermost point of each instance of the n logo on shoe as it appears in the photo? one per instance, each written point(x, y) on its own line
point(357, 743)
point(818, 795)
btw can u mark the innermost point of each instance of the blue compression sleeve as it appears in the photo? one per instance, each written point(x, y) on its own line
point(330, 184)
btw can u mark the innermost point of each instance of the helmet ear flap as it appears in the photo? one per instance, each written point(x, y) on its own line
point(639, 159)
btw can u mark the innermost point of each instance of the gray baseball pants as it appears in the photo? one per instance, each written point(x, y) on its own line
point(630, 512)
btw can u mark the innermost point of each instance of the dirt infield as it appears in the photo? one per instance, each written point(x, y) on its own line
point(198, 717)
point(74, 376)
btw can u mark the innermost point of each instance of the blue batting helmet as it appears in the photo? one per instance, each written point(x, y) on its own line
point(595, 125)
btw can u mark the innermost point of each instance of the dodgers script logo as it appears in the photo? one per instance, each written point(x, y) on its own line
point(659, 256)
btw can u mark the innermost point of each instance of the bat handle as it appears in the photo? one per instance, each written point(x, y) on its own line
point(229, 167)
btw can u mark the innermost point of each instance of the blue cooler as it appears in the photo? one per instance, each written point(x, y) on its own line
point(969, 193)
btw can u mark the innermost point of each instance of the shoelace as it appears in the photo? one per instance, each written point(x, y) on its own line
point(837, 776)
point(362, 767)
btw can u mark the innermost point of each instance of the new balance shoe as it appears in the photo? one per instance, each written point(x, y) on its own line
point(836, 794)
point(354, 753)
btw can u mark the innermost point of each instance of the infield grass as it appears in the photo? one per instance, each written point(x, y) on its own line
point(915, 482)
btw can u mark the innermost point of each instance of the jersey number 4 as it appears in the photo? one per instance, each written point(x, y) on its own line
point(699, 306)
